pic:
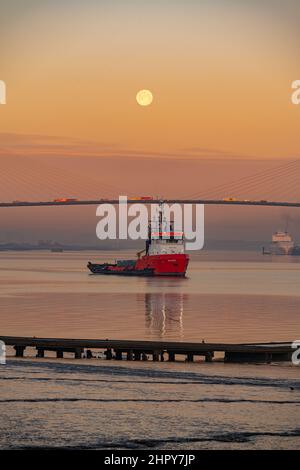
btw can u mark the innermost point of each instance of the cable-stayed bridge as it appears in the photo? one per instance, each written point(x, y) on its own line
point(278, 186)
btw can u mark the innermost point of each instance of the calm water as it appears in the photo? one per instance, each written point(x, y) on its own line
point(101, 404)
point(253, 299)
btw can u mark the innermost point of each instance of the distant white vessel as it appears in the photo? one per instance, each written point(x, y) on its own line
point(282, 244)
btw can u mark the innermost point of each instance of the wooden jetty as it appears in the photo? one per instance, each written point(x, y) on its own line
point(157, 350)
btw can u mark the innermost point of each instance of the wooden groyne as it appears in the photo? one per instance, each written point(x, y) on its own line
point(155, 350)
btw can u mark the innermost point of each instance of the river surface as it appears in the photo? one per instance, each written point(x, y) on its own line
point(228, 297)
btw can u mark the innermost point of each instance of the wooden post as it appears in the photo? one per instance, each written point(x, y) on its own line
point(190, 357)
point(19, 350)
point(89, 354)
point(118, 355)
point(171, 355)
point(162, 358)
point(78, 352)
point(40, 353)
point(155, 355)
point(209, 356)
point(268, 358)
point(129, 355)
point(137, 356)
point(59, 354)
point(108, 354)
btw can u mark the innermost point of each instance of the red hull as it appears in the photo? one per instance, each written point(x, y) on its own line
point(164, 265)
point(153, 265)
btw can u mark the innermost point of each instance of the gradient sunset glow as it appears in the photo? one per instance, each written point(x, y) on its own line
point(221, 72)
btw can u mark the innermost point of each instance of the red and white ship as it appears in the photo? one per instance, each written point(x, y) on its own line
point(163, 256)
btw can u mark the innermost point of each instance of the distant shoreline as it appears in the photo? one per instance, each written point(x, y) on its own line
point(213, 245)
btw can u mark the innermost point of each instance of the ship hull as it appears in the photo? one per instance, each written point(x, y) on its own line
point(99, 269)
point(154, 265)
point(165, 265)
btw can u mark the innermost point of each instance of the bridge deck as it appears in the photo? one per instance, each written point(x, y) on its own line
point(152, 201)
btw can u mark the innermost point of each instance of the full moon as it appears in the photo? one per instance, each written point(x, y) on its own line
point(144, 97)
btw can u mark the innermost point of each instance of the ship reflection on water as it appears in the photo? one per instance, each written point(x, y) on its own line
point(164, 314)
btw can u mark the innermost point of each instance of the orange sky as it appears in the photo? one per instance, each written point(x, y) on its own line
point(220, 72)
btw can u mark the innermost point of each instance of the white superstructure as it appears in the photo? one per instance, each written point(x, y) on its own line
point(282, 243)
